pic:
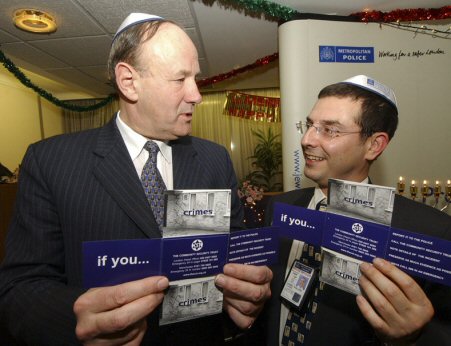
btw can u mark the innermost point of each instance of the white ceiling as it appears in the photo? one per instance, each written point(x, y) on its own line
point(226, 36)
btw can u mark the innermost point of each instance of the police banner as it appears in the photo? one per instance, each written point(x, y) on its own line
point(315, 51)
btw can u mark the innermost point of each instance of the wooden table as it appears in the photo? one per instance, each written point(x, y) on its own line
point(7, 198)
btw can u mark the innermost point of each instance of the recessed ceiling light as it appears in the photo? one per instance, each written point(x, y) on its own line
point(34, 21)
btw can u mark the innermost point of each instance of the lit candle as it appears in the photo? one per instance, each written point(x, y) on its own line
point(437, 189)
point(413, 189)
point(448, 189)
point(401, 186)
point(425, 190)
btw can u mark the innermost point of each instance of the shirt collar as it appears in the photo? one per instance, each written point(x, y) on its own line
point(135, 142)
point(318, 196)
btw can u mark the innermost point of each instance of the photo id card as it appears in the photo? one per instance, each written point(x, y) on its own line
point(298, 284)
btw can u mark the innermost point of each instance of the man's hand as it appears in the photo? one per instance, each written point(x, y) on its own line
point(245, 289)
point(394, 304)
point(116, 315)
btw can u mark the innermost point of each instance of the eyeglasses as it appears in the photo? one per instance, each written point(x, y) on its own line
point(328, 132)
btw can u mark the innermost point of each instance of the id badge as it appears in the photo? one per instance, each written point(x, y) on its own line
point(298, 284)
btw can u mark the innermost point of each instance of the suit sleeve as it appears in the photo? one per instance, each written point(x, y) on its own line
point(35, 299)
point(420, 218)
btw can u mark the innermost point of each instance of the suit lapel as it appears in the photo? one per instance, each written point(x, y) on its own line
point(305, 197)
point(187, 171)
point(116, 172)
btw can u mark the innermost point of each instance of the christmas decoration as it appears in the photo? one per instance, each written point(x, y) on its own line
point(11, 67)
point(281, 12)
point(223, 76)
point(253, 107)
point(405, 15)
point(271, 11)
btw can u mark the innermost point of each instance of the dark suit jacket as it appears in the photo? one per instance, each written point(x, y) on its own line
point(84, 187)
point(338, 320)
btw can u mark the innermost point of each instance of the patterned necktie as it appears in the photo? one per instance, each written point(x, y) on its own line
point(299, 322)
point(153, 183)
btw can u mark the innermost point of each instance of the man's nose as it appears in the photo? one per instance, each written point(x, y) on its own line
point(193, 95)
point(310, 137)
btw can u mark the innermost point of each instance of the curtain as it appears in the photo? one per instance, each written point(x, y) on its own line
point(209, 122)
point(77, 121)
point(232, 132)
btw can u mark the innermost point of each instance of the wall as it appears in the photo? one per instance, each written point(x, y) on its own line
point(415, 65)
point(22, 114)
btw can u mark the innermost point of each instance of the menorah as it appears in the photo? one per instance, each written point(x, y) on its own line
point(429, 194)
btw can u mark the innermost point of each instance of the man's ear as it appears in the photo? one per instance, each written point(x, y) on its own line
point(376, 145)
point(125, 78)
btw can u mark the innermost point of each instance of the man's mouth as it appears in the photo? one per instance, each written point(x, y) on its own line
point(187, 115)
point(313, 157)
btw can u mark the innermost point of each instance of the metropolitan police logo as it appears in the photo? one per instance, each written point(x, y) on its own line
point(326, 53)
point(357, 228)
point(197, 245)
point(346, 54)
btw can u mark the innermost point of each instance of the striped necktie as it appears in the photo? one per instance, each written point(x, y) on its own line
point(153, 183)
point(299, 322)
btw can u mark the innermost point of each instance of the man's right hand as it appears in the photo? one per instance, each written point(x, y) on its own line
point(116, 315)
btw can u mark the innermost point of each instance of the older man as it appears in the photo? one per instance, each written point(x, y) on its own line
point(86, 186)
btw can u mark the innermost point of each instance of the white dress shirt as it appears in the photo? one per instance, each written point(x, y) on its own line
point(135, 146)
point(296, 252)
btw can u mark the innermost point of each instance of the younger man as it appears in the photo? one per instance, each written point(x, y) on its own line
point(348, 128)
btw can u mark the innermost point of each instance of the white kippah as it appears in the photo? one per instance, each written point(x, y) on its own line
point(134, 19)
point(374, 86)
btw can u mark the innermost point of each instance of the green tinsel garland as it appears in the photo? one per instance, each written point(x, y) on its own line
point(11, 67)
point(268, 8)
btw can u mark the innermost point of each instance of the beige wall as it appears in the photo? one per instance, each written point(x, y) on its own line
point(20, 116)
point(421, 80)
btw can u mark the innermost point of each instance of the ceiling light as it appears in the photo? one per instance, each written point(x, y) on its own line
point(34, 21)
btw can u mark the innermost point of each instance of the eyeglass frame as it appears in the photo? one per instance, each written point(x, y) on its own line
point(334, 133)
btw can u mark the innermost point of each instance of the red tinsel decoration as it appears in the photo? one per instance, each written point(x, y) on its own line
point(223, 76)
point(407, 15)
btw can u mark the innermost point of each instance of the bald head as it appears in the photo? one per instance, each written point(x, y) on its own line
point(126, 45)
point(164, 50)
point(158, 89)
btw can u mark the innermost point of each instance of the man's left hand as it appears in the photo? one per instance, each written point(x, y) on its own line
point(394, 304)
point(246, 289)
